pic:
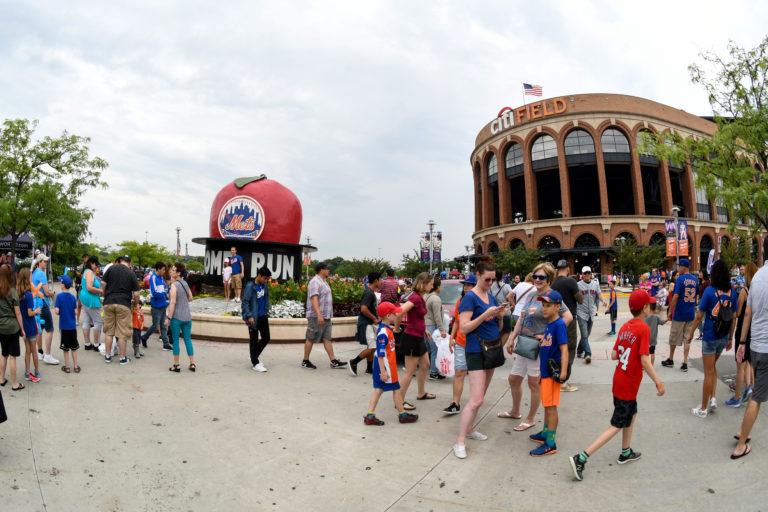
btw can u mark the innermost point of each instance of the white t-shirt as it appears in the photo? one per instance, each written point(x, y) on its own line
point(758, 301)
point(519, 290)
point(226, 273)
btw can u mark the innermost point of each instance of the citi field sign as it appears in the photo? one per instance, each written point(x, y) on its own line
point(509, 117)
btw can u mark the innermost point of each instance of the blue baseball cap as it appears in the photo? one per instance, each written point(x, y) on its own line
point(551, 296)
point(684, 263)
point(66, 281)
point(470, 279)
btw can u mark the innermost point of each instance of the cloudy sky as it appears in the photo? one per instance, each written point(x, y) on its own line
point(367, 110)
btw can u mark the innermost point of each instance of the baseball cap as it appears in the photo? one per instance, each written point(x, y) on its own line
point(470, 279)
point(586, 269)
point(652, 300)
point(387, 308)
point(551, 296)
point(41, 257)
point(124, 258)
point(562, 264)
point(66, 281)
point(685, 263)
point(638, 299)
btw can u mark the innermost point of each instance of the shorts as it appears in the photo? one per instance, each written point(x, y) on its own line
point(679, 332)
point(524, 366)
point(136, 337)
point(10, 344)
point(715, 346)
point(69, 340)
point(370, 336)
point(413, 346)
point(550, 392)
point(459, 358)
point(614, 313)
point(91, 316)
point(623, 412)
point(385, 386)
point(651, 349)
point(237, 281)
point(118, 321)
point(45, 316)
point(316, 332)
point(474, 361)
point(760, 364)
point(506, 324)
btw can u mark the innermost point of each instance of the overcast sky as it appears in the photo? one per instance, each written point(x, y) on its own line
point(367, 110)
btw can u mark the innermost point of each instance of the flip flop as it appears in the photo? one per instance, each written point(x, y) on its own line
point(77, 369)
point(4, 382)
point(737, 438)
point(523, 426)
point(505, 414)
point(426, 396)
point(746, 452)
point(408, 407)
point(21, 386)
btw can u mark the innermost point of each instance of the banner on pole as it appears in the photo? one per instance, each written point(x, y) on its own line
point(682, 229)
point(669, 226)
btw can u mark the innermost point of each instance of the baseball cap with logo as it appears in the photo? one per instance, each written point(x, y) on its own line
point(470, 279)
point(638, 299)
point(562, 264)
point(551, 296)
point(585, 269)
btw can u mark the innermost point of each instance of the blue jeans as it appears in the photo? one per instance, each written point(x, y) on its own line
point(186, 332)
point(158, 320)
point(585, 327)
point(432, 347)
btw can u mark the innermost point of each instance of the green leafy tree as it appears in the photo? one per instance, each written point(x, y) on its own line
point(725, 163)
point(143, 254)
point(737, 251)
point(411, 265)
point(42, 182)
point(195, 266)
point(363, 267)
point(518, 260)
point(632, 259)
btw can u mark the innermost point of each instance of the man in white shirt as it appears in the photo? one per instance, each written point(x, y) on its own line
point(585, 311)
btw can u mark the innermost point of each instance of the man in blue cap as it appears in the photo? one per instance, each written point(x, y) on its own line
point(682, 311)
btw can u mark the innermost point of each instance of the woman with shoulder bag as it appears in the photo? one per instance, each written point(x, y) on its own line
point(524, 342)
point(480, 320)
point(179, 317)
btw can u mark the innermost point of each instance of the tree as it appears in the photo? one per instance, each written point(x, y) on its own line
point(736, 252)
point(143, 254)
point(195, 266)
point(518, 260)
point(725, 163)
point(41, 183)
point(360, 268)
point(412, 265)
point(632, 259)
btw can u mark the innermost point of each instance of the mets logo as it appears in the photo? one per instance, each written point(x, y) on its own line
point(241, 217)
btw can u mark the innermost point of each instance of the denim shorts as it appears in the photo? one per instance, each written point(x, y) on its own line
point(459, 357)
point(715, 346)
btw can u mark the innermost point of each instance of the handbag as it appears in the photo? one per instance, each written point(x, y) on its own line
point(554, 368)
point(527, 347)
point(493, 353)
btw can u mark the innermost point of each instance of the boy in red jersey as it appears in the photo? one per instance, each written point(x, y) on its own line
point(385, 367)
point(631, 350)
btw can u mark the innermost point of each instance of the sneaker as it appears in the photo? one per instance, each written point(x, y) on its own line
point(31, 377)
point(633, 455)
point(107, 359)
point(352, 367)
point(712, 404)
point(610, 333)
point(136, 352)
point(668, 363)
point(747, 394)
point(37, 376)
point(542, 450)
point(408, 418)
point(143, 343)
point(538, 438)
point(259, 367)
point(125, 360)
point(460, 451)
point(87, 346)
point(167, 347)
point(697, 411)
point(308, 365)
point(569, 388)
point(40, 356)
point(477, 436)
point(337, 365)
point(370, 419)
point(48, 359)
point(452, 409)
point(588, 359)
point(733, 402)
point(436, 376)
point(684, 367)
point(577, 466)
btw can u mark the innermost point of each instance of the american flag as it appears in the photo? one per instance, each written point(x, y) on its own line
point(533, 90)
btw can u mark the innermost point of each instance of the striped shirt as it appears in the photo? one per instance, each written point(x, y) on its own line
point(318, 287)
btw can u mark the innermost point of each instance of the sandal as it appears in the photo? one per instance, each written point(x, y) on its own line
point(65, 369)
point(21, 386)
point(408, 407)
point(175, 368)
point(505, 414)
point(426, 396)
point(4, 382)
point(77, 369)
point(738, 438)
point(192, 367)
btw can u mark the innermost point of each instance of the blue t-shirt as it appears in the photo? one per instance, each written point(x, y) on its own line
point(613, 299)
point(260, 299)
point(67, 305)
point(38, 278)
point(686, 288)
point(488, 330)
point(235, 262)
point(710, 304)
point(26, 303)
point(555, 334)
point(655, 281)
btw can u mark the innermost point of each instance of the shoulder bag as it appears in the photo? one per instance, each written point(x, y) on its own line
point(527, 346)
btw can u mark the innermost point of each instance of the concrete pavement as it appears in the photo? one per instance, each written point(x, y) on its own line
point(138, 437)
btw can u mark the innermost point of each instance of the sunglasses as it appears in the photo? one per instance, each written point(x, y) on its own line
point(489, 280)
point(585, 273)
point(539, 277)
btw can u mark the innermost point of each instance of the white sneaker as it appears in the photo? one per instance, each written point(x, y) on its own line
point(477, 436)
point(48, 359)
point(259, 367)
point(712, 404)
point(697, 411)
point(460, 451)
point(39, 356)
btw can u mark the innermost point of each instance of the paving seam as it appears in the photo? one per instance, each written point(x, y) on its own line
point(430, 470)
point(32, 449)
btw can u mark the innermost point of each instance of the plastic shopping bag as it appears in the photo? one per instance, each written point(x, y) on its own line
point(444, 354)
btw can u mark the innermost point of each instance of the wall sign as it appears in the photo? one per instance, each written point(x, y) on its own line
point(509, 117)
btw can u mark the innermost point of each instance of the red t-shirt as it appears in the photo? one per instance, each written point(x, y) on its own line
point(415, 317)
point(632, 342)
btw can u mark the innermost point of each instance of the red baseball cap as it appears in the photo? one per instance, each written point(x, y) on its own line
point(638, 299)
point(387, 308)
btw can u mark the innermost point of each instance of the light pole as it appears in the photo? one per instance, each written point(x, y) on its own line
point(431, 225)
point(621, 241)
point(178, 241)
point(468, 248)
point(675, 211)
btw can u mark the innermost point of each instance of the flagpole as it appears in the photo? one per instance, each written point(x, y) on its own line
point(523, 86)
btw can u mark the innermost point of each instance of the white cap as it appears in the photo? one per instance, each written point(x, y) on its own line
point(586, 269)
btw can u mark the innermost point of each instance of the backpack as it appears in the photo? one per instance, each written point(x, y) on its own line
point(722, 322)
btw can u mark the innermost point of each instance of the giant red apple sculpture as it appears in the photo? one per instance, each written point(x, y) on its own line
point(256, 208)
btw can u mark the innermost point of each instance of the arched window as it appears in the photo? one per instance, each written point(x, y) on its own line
point(706, 244)
point(613, 141)
point(579, 142)
point(493, 169)
point(515, 243)
point(514, 160)
point(586, 240)
point(479, 249)
point(493, 248)
point(645, 158)
point(549, 242)
point(544, 147)
point(658, 238)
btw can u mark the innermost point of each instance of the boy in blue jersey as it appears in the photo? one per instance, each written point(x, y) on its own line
point(682, 311)
point(554, 345)
point(385, 367)
point(613, 307)
point(66, 307)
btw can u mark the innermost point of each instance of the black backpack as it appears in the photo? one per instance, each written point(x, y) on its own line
point(722, 322)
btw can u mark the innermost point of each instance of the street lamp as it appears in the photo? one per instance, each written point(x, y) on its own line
point(675, 211)
point(468, 249)
point(431, 225)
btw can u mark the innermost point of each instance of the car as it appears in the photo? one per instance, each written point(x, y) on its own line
point(450, 293)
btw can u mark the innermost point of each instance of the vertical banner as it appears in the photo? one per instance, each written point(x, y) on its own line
point(682, 228)
point(437, 247)
point(669, 226)
point(424, 247)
